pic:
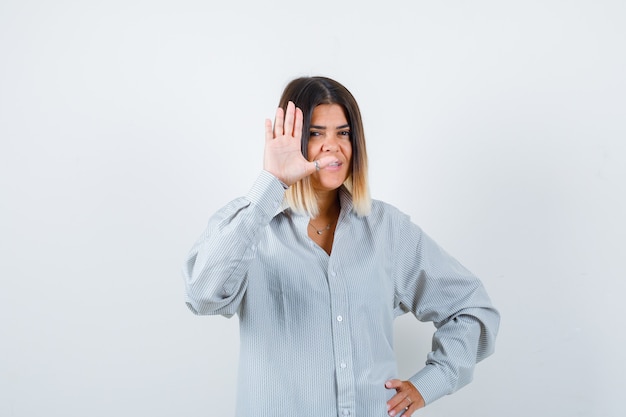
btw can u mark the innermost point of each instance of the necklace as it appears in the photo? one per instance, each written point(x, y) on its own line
point(320, 231)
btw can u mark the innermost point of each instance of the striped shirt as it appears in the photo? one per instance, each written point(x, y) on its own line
point(316, 330)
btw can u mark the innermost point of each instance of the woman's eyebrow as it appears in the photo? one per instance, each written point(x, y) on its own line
point(324, 127)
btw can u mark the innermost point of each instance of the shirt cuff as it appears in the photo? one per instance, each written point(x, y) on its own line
point(267, 193)
point(431, 382)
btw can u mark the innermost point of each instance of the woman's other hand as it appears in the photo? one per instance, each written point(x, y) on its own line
point(407, 398)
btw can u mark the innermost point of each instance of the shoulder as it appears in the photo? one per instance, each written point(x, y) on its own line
point(389, 218)
point(385, 211)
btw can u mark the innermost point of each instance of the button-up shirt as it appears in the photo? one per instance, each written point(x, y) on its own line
point(316, 330)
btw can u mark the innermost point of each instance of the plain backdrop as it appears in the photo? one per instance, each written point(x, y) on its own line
point(499, 126)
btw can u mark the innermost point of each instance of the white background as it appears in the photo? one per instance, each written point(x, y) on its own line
point(499, 126)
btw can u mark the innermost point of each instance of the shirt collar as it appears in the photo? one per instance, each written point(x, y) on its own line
point(345, 200)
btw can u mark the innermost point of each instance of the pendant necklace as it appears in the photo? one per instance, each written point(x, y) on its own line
point(320, 231)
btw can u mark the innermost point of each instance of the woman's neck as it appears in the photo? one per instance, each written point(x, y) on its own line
point(328, 205)
point(321, 229)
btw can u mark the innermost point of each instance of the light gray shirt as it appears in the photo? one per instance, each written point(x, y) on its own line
point(317, 330)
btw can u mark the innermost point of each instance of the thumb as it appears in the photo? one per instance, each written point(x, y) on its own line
point(393, 383)
point(322, 162)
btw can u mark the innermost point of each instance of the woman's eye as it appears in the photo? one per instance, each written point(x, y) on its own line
point(344, 133)
point(314, 134)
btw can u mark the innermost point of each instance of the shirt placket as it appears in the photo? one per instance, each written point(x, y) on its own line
point(342, 343)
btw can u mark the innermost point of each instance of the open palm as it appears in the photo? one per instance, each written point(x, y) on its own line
point(283, 155)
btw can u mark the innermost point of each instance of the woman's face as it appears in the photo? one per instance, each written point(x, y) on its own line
point(330, 136)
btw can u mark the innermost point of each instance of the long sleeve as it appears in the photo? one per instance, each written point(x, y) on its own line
point(216, 268)
point(435, 287)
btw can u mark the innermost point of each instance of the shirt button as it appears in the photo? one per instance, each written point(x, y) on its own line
point(333, 274)
point(343, 365)
point(339, 318)
point(346, 412)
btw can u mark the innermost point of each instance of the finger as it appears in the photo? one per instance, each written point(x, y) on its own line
point(398, 403)
point(409, 411)
point(416, 405)
point(311, 168)
point(289, 119)
point(405, 405)
point(269, 135)
point(407, 398)
point(278, 122)
point(324, 161)
point(297, 129)
point(319, 164)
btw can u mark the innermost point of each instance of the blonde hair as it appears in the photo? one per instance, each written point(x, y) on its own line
point(308, 93)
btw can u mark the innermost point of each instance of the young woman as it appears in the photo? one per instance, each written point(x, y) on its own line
point(317, 271)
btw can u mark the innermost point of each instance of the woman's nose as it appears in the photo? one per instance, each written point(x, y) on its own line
point(330, 145)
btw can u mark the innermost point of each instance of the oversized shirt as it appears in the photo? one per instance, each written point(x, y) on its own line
point(316, 330)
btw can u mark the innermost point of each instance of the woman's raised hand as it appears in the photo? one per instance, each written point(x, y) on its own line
point(283, 155)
